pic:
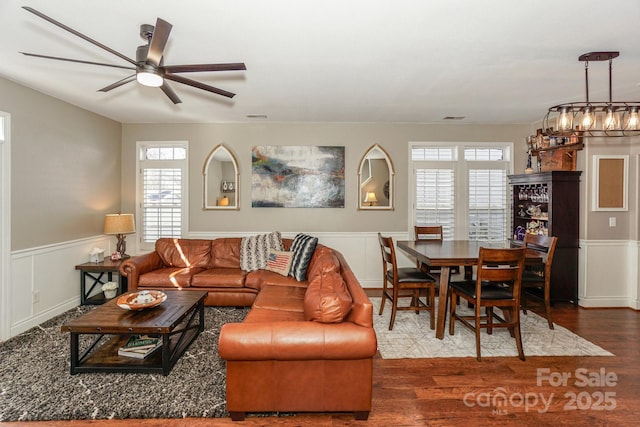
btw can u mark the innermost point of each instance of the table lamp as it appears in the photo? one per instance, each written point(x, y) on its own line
point(120, 224)
point(371, 198)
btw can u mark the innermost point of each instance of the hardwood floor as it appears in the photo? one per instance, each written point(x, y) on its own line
point(454, 392)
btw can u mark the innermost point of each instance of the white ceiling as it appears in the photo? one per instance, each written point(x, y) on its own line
point(492, 61)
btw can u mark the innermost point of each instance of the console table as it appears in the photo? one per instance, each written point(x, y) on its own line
point(96, 271)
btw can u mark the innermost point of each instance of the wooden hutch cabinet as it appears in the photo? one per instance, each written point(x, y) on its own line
point(548, 203)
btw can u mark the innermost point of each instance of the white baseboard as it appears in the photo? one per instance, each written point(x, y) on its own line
point(607, 302)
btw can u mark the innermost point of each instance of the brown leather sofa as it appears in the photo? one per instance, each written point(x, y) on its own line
point(305, 346)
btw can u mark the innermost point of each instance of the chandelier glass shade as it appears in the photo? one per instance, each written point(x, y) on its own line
point(604, 118)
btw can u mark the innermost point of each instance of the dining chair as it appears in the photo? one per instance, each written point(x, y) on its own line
point(427, 233)
point(404, 282)
point(497, 285)
point(424, 233)
point(536, 279)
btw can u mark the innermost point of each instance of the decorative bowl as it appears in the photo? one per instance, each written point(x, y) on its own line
point(141, 300)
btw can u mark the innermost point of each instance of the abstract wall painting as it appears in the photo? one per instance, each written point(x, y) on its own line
point(297, 176)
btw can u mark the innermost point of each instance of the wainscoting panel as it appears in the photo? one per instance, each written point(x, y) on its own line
point(608, 273)
point(608, 276)
point(49, 271)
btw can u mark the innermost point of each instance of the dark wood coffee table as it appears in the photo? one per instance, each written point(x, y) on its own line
point(178, 321)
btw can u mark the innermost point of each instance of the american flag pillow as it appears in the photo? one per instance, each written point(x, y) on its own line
point(279, 262)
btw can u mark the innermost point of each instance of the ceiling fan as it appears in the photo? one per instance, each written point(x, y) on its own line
point(149, 64)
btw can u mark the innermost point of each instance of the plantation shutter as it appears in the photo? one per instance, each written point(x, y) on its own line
point(435, 201)
point(162, 203)
point(487, 204)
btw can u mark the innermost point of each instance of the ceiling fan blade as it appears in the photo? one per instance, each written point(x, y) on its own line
point(118, 83)
point(76, 33)
point(204, 67)
point(158, 41)
point(80, 61)
point(198, 85)
point(170, 93)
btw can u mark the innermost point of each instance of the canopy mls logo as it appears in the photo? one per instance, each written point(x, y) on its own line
point(499, 401)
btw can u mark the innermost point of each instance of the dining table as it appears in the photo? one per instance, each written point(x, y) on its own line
point(446, 254)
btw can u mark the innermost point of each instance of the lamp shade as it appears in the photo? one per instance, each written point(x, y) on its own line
point(370, 197)
point(119, 224)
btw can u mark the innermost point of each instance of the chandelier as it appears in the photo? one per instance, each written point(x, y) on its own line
point(604, 119)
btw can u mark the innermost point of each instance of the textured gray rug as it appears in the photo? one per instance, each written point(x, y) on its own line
point(35, 383)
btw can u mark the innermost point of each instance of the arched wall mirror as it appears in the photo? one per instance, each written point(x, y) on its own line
point(375, 180)
point(221, 175)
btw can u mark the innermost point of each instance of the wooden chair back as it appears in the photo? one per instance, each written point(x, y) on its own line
point(533, 282)
point(428, 232)
point(500, 266)
point(388, 255)
point(545, 246)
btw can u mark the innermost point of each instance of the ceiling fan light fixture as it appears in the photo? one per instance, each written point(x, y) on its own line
point(149, 78)
point(149, 64)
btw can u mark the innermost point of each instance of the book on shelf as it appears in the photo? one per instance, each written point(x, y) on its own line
point(140, 346)
point(141, 341)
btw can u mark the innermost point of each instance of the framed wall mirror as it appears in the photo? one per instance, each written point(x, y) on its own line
point(375, 180)
point(220, 174)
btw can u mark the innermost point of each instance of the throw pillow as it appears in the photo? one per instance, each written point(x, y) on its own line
point(254, 250)
point(327, 299)
point(279, 262)
point(302, 247)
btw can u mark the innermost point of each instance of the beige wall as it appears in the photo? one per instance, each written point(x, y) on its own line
point(65, 168)
point(357, 138)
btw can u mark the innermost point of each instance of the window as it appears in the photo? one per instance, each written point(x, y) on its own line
point(162, 196)
point(462, 188)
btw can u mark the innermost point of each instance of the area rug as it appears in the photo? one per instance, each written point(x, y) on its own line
point(412, 337)
point(35, 383)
